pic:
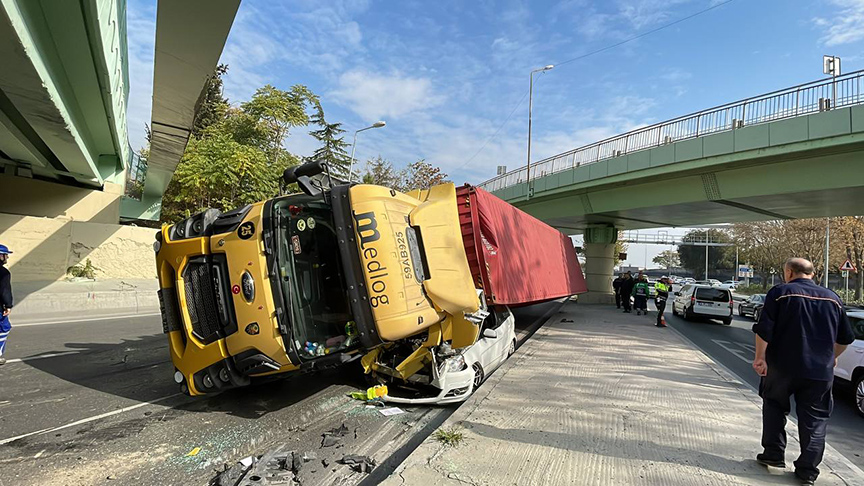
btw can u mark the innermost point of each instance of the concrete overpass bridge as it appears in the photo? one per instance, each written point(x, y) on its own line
point(64, 145)
point(786, 154)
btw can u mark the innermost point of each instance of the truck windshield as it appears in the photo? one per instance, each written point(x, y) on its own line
point(311, 274)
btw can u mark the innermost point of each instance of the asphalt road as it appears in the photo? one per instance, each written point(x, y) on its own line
point(732, 346)
point(93, 402)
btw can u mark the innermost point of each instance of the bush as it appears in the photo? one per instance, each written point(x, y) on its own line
point(83, 270)
point(750, 289)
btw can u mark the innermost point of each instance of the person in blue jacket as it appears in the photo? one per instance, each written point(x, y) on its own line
point(5, 300)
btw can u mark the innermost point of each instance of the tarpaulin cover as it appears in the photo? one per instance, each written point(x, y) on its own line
point(516, 258)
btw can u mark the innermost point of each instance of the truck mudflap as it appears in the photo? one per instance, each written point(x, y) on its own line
point(355, 280)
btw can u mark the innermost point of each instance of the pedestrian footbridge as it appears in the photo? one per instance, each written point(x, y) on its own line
point(793, 153)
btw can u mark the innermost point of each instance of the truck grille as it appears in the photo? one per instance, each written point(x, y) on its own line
point(201, 300)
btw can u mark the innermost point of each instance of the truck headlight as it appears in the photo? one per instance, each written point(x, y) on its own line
point(456, 363)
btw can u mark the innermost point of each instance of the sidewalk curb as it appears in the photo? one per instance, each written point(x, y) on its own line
point(839, 467)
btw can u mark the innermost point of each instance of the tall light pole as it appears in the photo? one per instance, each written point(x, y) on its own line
point(827, 247)
point(530, 106)
point(354, 146)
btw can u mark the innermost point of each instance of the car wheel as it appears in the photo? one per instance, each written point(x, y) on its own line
point(478, 375)
point(757, 314)
point(688, 313)
point(741, 311)
point(674, 309)
point(512, 348)
point(859, 394)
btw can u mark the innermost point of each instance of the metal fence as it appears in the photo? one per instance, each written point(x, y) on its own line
point(798, 100)
point(136, 174)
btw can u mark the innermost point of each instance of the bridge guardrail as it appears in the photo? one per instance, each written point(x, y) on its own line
point(800, 100)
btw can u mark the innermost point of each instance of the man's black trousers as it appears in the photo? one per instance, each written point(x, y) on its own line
point(661, 307)
point(617, 298)
point(813, 404)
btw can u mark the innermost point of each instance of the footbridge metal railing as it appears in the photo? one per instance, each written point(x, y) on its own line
point(804, 99)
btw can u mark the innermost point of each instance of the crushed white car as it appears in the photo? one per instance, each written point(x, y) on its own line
point(457, 376)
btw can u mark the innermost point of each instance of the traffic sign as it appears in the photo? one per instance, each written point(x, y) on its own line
point(745, 271)
point(847, 267)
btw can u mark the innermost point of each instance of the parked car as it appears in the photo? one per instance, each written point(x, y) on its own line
point(458, 376)
point(749, 307)
point(850, 364)
point(730, 284)
point(652, 290)
point(703, 301)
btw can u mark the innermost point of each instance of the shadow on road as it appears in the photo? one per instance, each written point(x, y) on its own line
point(141, 370)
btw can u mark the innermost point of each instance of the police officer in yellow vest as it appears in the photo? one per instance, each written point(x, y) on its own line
point(663, 287)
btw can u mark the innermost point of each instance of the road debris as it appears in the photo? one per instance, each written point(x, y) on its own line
point(334, 436)
point(276, 467)
point(387, 412)
point(359, 463)
point(193, 452)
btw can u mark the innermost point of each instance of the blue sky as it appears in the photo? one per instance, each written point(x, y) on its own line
point(445, 75)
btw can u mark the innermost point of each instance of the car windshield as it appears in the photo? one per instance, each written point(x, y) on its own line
point(758, 298)
point(311, 275)
point(712, 294)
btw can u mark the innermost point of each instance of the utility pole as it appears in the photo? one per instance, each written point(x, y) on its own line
point(707, 240)
point(827, 247)
point(530, 106)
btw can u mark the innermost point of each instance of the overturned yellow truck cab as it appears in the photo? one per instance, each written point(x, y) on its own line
point(314, 280)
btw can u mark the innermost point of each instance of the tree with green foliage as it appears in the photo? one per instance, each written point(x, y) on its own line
point(421, 175)
point(214, 105)
point(380, 171)
point(238, 159)
point(333, 147)
point(667, 259)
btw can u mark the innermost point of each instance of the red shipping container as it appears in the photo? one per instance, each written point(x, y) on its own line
point(516, 258)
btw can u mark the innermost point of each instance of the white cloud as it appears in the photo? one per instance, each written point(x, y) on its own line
point(374, 96)
point(844, 26)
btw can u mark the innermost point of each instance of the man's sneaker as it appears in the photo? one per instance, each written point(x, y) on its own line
point(2, 360)
point(761, 459)
point(805, 480)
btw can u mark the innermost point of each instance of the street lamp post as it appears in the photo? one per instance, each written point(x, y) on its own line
point(530, 106)
point(354, 146)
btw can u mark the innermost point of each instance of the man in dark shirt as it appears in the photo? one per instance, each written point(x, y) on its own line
point(626, 289)
point(801, 332)
point(5, 300)
point(616, 286)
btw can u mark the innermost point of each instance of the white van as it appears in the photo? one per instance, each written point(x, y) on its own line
point(703, 301)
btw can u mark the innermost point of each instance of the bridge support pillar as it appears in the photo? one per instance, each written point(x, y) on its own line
point(599, 245)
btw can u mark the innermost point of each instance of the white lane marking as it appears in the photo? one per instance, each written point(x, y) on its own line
point(73, 321)
point(739, 352)
point(88, 419)
point(42, 356)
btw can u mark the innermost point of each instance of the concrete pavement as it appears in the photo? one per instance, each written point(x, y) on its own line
point(600, 397)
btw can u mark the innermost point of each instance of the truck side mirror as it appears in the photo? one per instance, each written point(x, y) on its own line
point(490, 333)
point(301, 175)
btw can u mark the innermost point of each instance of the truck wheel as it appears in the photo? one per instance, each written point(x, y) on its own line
point(512, 348)
point(478, 375)
point(859, 393)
